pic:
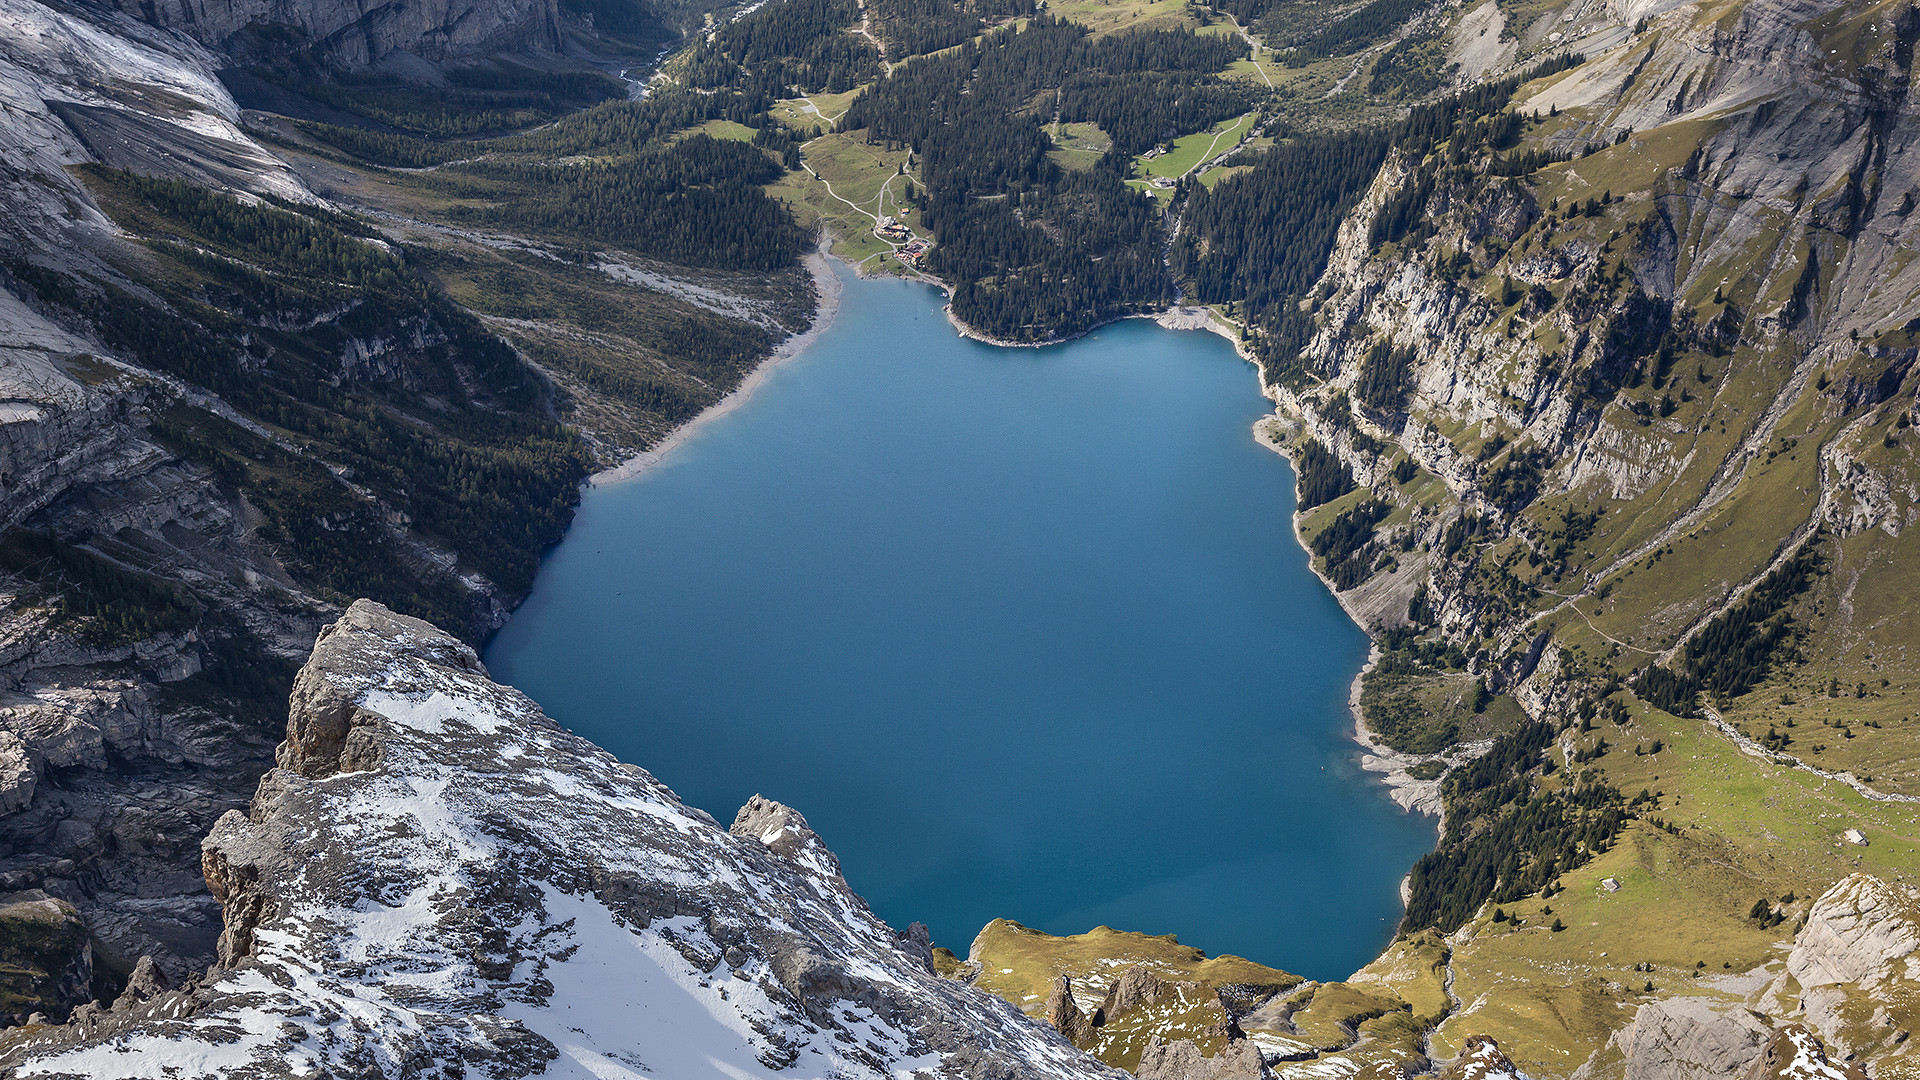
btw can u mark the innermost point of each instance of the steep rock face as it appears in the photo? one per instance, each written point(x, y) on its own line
point(438, 877)
point(141, 773)
point(1762, 214)
point(1854, 972)
point(105, 86)
point(54, 430)
point(1683, 1039)
point(44, 955)
point(148, 754)
point(1064, 1016)
point(361, 34)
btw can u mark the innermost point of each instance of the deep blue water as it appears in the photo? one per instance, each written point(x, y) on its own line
point(1022, 632)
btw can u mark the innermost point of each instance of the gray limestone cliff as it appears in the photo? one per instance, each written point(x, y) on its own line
point(1854, 972)
point(1759, 210)
point(1685, 1039)
point(1847, 996)
point(360, 34)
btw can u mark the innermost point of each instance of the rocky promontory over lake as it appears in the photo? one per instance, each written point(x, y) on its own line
point(437, 880)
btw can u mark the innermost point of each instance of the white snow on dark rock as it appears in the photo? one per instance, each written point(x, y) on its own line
point(439, 881)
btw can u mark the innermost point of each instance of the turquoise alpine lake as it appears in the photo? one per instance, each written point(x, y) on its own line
point(1024, 633)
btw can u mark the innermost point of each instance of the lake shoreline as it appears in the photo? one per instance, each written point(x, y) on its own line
point(827, 285)
point(1173, 317)
point(774, 504)
point(1392, 769)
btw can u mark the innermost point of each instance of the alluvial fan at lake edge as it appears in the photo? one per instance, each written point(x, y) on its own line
point(1023, 632)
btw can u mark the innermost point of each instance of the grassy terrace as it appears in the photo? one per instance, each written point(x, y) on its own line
point(1746, 829)
point(1021, 964)
point(1078, 145)
point(720, 129)
point(1108, 16)
point(845, 187)
point(813, 111)
point(1190, 151)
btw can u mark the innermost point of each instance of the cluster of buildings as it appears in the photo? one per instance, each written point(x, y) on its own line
point(911, 253)
point(894, 231)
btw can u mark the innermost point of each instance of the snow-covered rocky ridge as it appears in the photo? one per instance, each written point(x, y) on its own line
point(437, 880)
point(119, 747)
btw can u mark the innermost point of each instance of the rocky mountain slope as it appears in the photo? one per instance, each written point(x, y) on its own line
point(1836, 1000)
point(226, 409)
point(438, 880)
point(1742, 270)
point(92, 759)
point(1608, 396)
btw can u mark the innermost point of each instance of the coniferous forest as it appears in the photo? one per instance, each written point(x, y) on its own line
point(1032, 250)
point(797, 43)
point(1504, 838)
point(697, 201)
point(1263, 236)
point(1035, 251)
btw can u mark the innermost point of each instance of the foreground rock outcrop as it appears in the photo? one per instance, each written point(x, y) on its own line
point(44, 954)
point(438, 880)
point(1117, 995)
point(124, 736)
point(1182, 1060)
point(1854, 973)
point(1842, 1006)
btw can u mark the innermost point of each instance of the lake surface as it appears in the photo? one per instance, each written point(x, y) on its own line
point(1022, 632)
